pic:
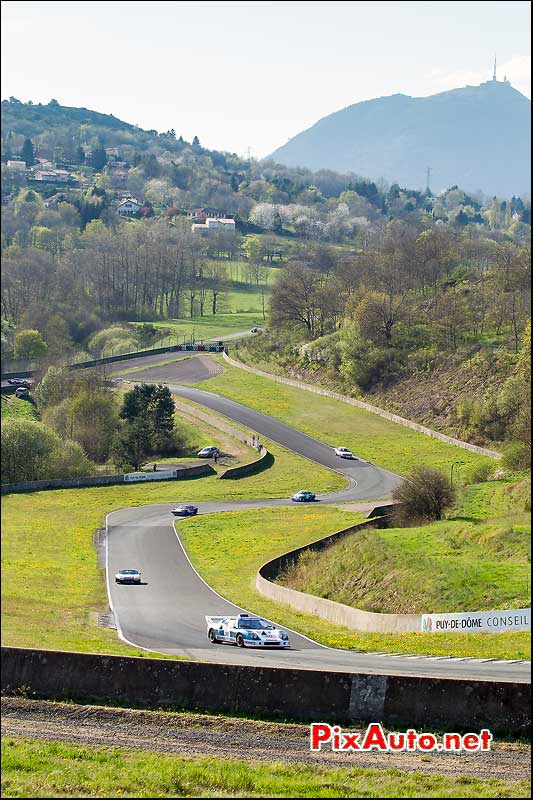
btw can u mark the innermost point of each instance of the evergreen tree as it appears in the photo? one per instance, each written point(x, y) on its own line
point(153, 406)
point(98, 159)
point(131, 445)
point(28, 153)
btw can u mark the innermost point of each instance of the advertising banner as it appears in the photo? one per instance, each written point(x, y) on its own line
point(515, 619)
point(130, 477)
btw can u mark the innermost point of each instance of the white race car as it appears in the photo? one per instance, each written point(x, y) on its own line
point(343, 452)
point(245, 631)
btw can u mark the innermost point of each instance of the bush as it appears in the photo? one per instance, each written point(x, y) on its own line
point(478, 473)
point(69, 461)
point(117, 337)
point(53, 387)
point(517, 456)
point(30, 452)
point(423, 496)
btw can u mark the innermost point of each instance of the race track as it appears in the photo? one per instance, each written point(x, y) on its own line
point(166, 613)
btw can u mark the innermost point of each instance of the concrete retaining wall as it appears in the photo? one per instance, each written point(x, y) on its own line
point(305, 695)
point(337, 613)
point(263, 462)
point(309, 387)
point(97, 480)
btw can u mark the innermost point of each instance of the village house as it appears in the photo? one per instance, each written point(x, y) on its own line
point(128, 207)
point(213, 224)
point(19, 166)
point(51, 175)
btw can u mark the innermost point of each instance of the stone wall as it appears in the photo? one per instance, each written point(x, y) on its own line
point(305, 695)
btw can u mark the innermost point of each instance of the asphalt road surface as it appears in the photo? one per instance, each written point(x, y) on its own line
point(166, 613)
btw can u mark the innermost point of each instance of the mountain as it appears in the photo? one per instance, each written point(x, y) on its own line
point(478, 137)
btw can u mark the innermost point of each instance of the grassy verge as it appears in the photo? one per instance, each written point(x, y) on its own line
point(262, 534)
point(34, 768)
point(443, 567)
point(211, 325)
point(369, 436)
point(15, 407)
point(51, 585)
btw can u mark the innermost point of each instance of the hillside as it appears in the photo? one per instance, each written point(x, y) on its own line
point(478, 558)
point(476, 136)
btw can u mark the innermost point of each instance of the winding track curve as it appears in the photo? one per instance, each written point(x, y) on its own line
point(166, 614)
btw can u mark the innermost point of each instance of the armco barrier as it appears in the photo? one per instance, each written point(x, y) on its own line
point(306, 695)
point(95, 362)
point(309, 387)
point(337, 613)
point(97, 480)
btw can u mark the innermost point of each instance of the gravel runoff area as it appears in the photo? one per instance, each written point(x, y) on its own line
point(230, 737)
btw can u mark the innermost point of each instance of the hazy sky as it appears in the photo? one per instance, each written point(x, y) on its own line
point(252, 74)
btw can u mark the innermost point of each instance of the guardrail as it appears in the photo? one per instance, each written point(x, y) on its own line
point(181, 473)
point(415, 426)
point(95, 362)
point(306, 695)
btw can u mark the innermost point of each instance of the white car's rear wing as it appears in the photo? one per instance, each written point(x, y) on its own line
point(213, 620)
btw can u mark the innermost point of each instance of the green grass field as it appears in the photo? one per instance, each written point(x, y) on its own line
point(14, 407)
point(452, 565)
point(208, 327)
point(369, 436)
point(258, 535)
point(51, 585)
point(35, 768)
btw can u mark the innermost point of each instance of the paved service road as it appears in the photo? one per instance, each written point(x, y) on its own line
point(166, 613)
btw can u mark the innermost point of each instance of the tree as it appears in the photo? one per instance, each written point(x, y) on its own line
point(153, 406)
point(424, 495)
point(53, 387)
point(131, 446)
point(28, 153)
point(253, 247)
point(29, 345)
point(31, 452)
point(93, 421)
point(98, 159)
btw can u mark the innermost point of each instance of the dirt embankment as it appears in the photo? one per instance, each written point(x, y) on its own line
point(229, 737)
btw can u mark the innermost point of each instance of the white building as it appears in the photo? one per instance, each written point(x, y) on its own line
point(128, 207)
point(214, 224)
point(19, 166)
point(53, 175)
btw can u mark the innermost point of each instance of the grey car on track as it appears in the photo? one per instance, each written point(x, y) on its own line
point(303, 496)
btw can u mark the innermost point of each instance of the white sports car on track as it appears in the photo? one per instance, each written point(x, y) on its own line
point(245, 631)
point(128, 576)
point(343, 452)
